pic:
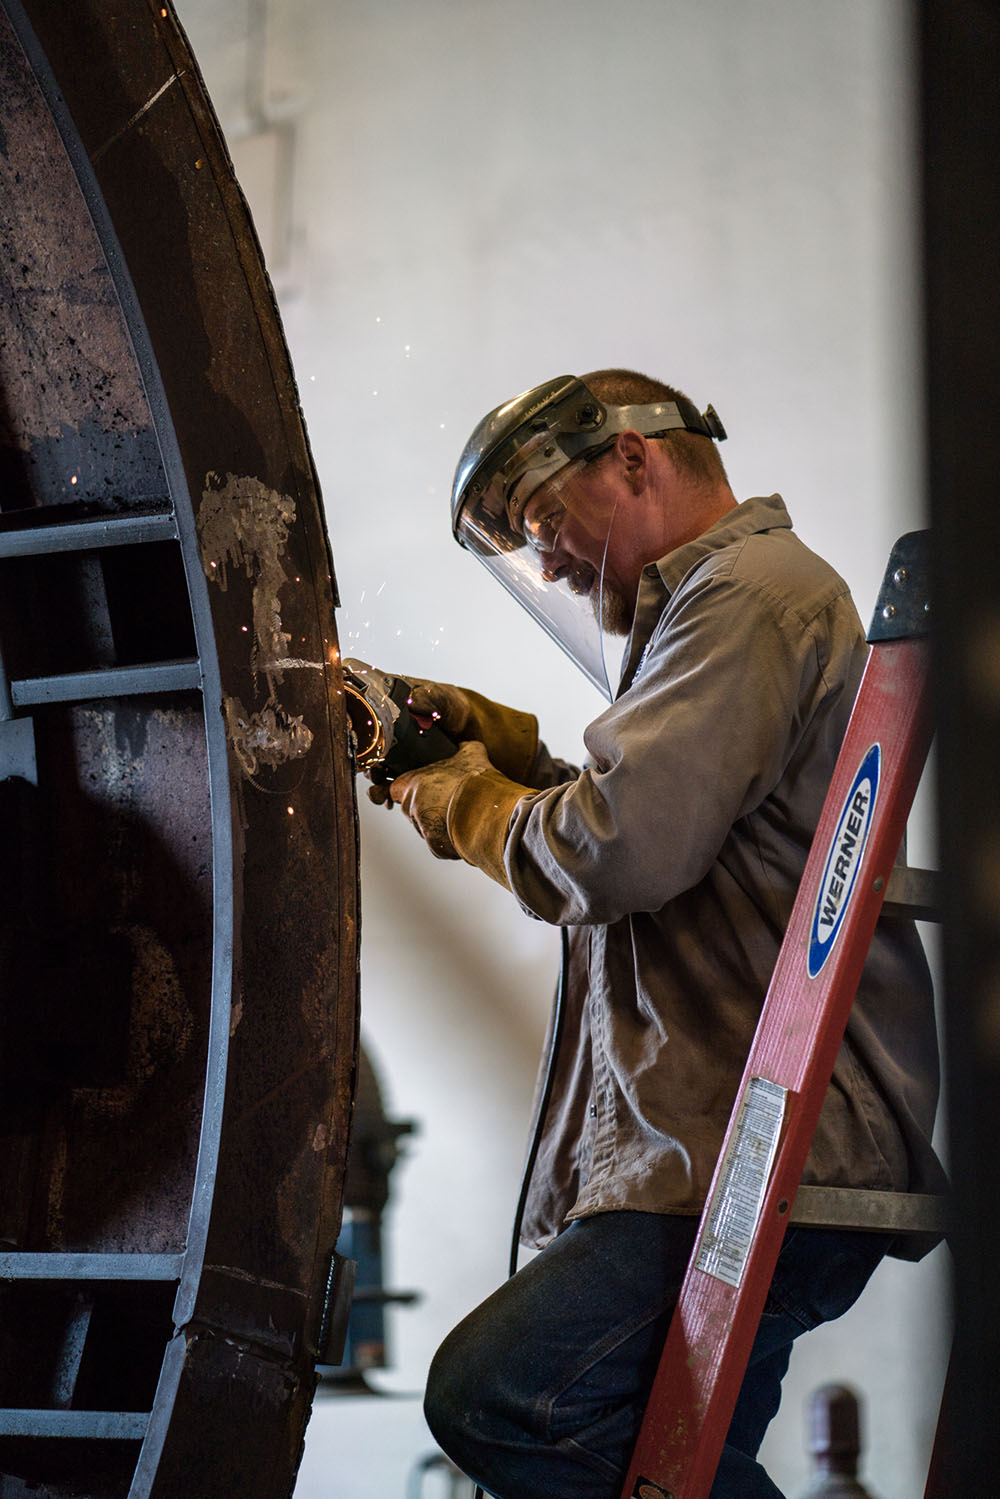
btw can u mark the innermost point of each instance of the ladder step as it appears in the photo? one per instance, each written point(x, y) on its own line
point(915, 893)
point(872, 1212)
point(114, 681)
point(26, 1265)
point(93, 1425)
point(88, 535)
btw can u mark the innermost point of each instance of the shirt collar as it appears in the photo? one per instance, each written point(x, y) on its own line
point(660, 578)
point(736, 525)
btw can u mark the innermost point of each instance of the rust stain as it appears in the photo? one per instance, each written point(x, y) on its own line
point(161, 1026)
point(57, 1186)
point(295, 1197)
point(63, 351)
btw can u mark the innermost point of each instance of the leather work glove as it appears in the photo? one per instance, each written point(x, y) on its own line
point(424, 795)
point(510, 737)
point(461, 808)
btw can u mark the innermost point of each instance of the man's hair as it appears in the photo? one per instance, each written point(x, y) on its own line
point(695, 455)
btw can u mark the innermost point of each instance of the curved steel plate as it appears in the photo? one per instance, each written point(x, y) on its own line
point(180, 960)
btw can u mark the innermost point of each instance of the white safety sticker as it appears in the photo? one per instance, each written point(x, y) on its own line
point(734, 1211)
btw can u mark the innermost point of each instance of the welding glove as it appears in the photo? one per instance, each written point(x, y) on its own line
point(510, 737)
point(461, 808)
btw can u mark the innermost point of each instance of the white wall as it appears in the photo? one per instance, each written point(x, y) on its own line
point(484, 193)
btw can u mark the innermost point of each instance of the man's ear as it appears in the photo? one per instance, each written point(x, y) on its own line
point(633, 450)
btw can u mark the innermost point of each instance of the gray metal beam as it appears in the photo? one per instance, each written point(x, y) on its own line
point(873, 1212)
point(915, 893)
point(88, 535)
point(114, 681)
point(99, 1425)
point(16, 1265)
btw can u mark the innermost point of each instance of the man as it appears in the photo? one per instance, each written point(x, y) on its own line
point(673, 859)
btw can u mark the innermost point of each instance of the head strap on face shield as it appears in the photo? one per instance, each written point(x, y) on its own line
point(522, 444)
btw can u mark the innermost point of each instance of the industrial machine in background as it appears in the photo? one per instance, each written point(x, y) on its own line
point(374, 1151)
point(178, 940)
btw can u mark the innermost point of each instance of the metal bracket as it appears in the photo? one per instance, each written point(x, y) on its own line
point(336, 1310)
point(903, 608)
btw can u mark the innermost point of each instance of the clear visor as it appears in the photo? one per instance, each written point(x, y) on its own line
point(570, 607)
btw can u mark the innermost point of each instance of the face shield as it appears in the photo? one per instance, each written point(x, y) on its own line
point(501, 512)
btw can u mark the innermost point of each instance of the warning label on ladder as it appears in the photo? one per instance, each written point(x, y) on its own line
point(736, 1203)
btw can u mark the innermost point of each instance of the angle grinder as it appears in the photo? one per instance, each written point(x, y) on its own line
point(389, 738)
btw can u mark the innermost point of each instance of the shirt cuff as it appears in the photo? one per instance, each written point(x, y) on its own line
point(478, 819)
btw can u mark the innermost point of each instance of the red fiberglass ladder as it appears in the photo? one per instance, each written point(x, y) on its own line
point(791, 1060)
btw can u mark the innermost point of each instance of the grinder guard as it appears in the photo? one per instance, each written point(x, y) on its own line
point(388, 739)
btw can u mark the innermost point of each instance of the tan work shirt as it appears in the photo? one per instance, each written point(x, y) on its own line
point(675, 857)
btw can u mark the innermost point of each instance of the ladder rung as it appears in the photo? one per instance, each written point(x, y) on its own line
point(27, 1265)
point(915, 893)
point(114, 681)
point(92, 1425)
point(88, 535)
point(872, 1212)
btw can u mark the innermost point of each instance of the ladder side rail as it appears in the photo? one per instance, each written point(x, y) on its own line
point(800, 1031)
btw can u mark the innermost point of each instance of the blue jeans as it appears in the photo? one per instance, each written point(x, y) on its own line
point(539, 1392)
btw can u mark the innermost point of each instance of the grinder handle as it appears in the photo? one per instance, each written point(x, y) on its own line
point(413, 747)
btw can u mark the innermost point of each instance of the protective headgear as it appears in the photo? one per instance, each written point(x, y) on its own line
point(517, 448)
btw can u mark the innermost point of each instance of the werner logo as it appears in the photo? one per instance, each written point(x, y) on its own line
point(844, 860)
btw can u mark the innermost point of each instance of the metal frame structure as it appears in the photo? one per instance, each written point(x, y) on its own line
point(176, 797)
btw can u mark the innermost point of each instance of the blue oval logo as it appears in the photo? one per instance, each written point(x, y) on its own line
point(844, 860)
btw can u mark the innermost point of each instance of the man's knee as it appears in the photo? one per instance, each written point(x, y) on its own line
point(457, 1384)
point(442, 1397)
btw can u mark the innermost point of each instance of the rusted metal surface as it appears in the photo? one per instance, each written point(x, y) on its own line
point(177, 821)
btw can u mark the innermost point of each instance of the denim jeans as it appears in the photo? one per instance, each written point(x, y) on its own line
point(539, 1392)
